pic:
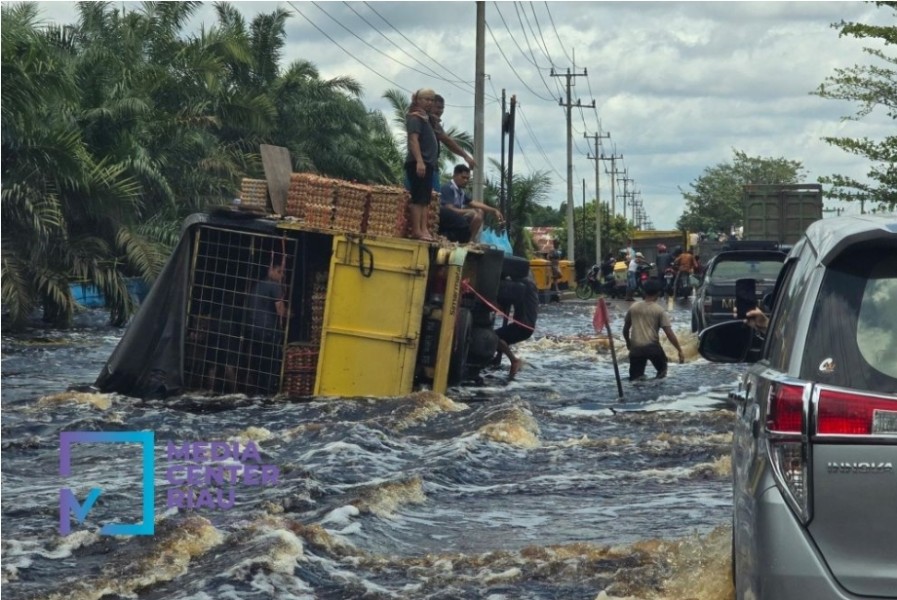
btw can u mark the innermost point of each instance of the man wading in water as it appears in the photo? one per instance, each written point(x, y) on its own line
point(643, 321)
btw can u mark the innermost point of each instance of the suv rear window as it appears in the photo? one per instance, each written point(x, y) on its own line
point(851, 341)
point(756, 269)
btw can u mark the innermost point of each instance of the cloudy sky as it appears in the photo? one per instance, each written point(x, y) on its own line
point(678, 85)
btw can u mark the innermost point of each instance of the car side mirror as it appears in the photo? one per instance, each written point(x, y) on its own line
point(728, 342)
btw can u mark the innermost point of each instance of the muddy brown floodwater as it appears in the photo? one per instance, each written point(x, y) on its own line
point(544, 487)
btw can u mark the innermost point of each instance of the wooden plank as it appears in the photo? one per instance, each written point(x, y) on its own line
point(276, 161)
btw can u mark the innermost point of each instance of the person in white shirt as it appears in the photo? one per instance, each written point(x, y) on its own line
point(632, 273)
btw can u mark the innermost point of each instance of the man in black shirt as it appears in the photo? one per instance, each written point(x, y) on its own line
point(266, 316)
point(523, 298)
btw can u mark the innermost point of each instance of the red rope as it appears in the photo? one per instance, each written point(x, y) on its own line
point(466, 287)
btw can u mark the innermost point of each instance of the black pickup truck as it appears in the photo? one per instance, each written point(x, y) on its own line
point(715, 300)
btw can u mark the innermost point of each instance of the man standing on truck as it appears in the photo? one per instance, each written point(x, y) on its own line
point(640, 330)
point(444, 138)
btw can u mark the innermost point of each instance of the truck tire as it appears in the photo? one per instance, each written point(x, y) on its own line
point(515, 267)
point(483, 346)
point(460, 347)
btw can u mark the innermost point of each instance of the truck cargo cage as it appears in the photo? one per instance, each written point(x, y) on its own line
point(228, 346)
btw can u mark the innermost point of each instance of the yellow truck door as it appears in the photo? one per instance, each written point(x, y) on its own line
point(372, 317)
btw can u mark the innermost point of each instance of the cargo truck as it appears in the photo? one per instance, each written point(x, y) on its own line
point(775, 216)
point(780, 213)
point(367, 312)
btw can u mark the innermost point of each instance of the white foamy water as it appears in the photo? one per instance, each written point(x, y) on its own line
point(547, 486)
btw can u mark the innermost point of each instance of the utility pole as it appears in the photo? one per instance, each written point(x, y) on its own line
point(510, 128)
point(597, 158)
point(569, 106)
point(625, 179)
point(502, 197)
point(613, 176)
point(583, 216)
point(479, 101)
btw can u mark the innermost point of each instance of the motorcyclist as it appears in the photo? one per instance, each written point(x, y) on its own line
point(607, 267)
point(632, 275)
point(685, 268)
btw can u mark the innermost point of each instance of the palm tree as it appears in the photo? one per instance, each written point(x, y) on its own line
point(60, 203)
point(115, 128)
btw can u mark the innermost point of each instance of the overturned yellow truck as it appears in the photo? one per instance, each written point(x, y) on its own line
point(367, 312)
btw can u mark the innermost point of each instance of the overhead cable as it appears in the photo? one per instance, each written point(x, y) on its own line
point(502, 52)
point(539, 27)
point(337, 44)
point(457, 77)
point(556, 33)
point(375, 49)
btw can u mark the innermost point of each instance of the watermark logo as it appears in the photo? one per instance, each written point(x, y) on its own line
point(68, 503)
point(199, 475)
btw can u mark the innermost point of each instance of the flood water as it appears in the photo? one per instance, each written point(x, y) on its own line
point(545, 487)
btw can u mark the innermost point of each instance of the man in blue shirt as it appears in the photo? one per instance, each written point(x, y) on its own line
point(460, 217)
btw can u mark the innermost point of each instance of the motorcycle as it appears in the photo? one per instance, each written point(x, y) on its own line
point(683, 287)
point(642, 274)
point(669, 276)
point(592, 285)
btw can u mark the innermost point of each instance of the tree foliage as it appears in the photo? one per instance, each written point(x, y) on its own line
point(872, 87)
point(528, 193)
point(116, 127)
point(715, 202)
point(614, 231)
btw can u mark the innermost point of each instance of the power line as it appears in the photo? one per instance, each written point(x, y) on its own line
point(535, 139)
point(422, 51)
point(337, 44)
point(557, 34)
point(525, 36)
point(530, 48)
point(497, 45)
point(514, 39)
point(401, 49)
point(375, 49)
point(523, 154)
point(539, 27)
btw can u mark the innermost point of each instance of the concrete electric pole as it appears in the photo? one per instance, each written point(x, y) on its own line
point(569, 106)
point(479, 102)
point(613, 177)
point(597, 158)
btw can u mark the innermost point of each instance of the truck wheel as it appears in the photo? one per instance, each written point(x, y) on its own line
point(460, 346)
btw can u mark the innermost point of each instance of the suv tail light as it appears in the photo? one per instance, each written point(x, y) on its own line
point(786, 419)
point(846, 413)
point(786, 409)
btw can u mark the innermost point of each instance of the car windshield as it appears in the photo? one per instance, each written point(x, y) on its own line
point(851, 341)
point(756, 269)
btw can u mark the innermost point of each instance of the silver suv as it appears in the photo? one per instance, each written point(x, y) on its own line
point(814, 456)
